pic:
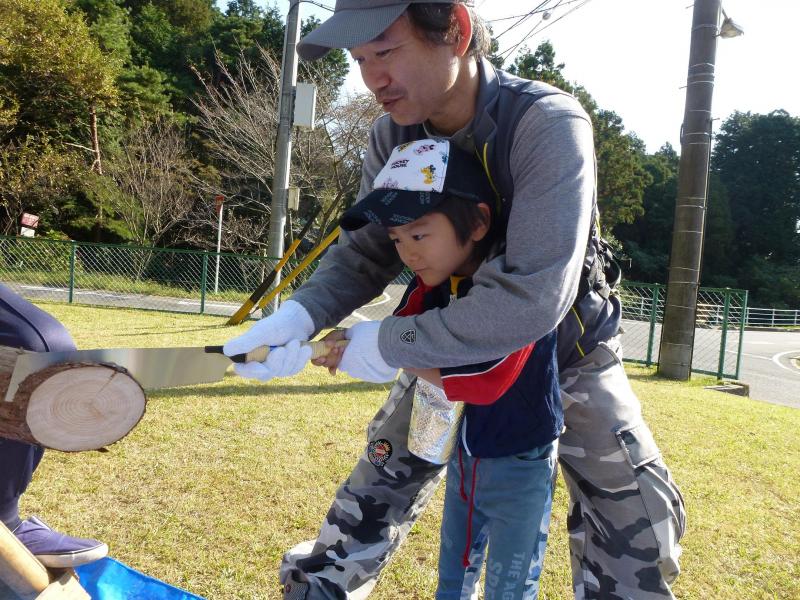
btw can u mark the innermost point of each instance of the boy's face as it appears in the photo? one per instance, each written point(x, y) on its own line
point(429, 247)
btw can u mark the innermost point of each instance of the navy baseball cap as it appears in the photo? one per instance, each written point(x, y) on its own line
point(417, 177)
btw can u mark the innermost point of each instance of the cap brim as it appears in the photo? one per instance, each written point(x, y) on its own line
point(390, 208)
point(348, 29)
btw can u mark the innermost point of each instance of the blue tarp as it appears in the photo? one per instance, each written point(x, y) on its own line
point(108, 579)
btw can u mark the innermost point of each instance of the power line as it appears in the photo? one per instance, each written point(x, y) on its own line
point(522, 19)
point(528, 35)
point(542, 10)
point(325, 6)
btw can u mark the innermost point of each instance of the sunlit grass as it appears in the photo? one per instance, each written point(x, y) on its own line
point(219, 480)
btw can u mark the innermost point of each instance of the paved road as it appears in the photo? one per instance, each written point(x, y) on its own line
point(770, 366)
point(767, 356)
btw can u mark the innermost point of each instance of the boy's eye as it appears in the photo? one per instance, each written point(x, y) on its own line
point(417, 236)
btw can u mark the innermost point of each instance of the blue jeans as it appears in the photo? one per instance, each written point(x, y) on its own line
point(504, 503)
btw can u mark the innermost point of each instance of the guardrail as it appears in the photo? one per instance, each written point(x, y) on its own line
point(204, 282)
point(772, 317)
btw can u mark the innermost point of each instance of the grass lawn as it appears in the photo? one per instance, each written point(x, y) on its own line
point(218, 480)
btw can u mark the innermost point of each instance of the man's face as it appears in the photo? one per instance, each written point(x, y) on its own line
point(429, 247)
point(412, 79)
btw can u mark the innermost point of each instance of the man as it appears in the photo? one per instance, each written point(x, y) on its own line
point(22, 325)
point(423, 63)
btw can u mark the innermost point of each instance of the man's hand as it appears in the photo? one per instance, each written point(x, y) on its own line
point(290, 323)
point(361, 357)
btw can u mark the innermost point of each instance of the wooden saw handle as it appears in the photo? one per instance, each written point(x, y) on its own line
point(318, 349)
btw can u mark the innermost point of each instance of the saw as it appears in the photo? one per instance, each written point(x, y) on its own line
point(153, 368)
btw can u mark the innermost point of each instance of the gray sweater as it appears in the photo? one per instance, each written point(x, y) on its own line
point(518, 296)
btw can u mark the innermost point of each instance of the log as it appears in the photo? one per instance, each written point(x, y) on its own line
point(71, 407)
point(23, 575)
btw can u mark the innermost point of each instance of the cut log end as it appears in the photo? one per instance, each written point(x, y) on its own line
point(75, 407)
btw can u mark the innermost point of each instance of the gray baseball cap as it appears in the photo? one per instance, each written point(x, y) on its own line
point(355, 22)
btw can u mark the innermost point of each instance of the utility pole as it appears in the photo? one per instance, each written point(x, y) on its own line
point(677, 334)
point(283, 143)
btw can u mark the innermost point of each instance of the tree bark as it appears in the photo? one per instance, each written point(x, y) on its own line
point(97, 165)
point(70, 406)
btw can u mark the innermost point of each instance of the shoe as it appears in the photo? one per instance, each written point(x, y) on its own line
point(57, 550)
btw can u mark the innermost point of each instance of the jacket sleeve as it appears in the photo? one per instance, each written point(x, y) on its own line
point(363, 262)
point(523, 294)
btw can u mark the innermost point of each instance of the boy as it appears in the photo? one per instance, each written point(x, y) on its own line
point(436, 204)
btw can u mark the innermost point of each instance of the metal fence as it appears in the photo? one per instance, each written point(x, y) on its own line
point(149, 278)
point(719, 327)
point(208, 283)
point(772, 317)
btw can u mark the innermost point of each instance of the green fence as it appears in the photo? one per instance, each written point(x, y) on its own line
point(719, 327)
point(150, 278)
point(210, 283)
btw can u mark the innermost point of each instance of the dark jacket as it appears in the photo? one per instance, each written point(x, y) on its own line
point(512, 403)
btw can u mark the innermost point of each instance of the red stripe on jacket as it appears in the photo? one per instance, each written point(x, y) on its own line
point(486, 387)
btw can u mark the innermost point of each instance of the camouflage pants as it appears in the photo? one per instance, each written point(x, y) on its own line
point(626, 514)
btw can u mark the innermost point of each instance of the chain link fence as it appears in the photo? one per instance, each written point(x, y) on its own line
point(218, 284)
point(149, 278)
point(719, 327)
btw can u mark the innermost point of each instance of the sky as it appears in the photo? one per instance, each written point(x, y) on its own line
point(632, 56)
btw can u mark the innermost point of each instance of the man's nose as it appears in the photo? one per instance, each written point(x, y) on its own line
point(374, 75)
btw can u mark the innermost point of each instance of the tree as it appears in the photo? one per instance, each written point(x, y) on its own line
point(32, 172)
point(719, 249)
point(757, 158)
point(541, 66)
point(621, 177)
point(327, 161)
point(238, 119)
point(153, 173)
point(142, 89)
point(646, 240)
point(53, 73)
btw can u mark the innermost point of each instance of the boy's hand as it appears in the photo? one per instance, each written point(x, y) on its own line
point(333, 358)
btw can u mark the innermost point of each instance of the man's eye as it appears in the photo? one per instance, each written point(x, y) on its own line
point(418, 236)
point(383, 53)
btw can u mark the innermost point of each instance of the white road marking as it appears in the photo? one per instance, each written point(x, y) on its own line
point(749, 355)
point(776, 360)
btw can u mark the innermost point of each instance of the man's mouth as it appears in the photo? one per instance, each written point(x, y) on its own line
point(388, 103)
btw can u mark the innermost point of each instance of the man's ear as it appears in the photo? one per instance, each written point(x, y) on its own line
point(482, 229)
point(462, 17)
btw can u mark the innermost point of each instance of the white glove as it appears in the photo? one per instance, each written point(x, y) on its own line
point(283, 361)
point(361, 358)
point(290, 322)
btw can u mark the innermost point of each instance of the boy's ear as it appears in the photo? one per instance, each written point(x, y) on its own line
point(482, 228)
